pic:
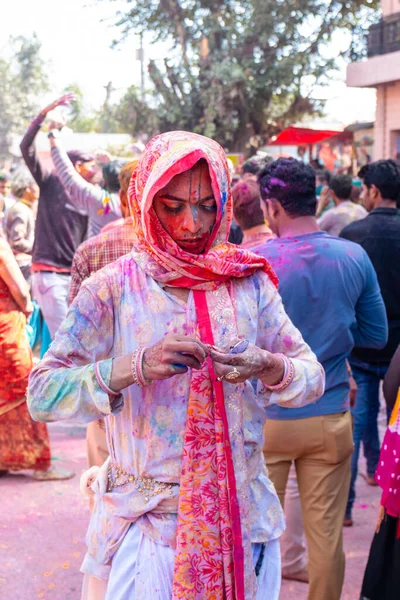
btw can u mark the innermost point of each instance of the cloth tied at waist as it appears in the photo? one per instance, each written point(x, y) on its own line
point(116, 509)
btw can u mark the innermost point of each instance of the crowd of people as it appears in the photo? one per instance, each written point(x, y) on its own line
point(226, 386)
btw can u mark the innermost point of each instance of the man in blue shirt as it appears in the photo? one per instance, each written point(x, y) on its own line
point(330, 292)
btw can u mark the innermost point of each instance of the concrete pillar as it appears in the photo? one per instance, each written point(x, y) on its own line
point(380, 123)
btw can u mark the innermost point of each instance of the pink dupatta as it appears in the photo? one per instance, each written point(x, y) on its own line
point(213, 557)
point(388, 471)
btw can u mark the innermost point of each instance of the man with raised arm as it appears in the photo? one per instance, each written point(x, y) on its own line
point(59, 227)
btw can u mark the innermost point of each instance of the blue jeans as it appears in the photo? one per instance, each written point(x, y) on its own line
point(365, 421)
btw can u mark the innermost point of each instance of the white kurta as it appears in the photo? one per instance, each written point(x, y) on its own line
point(118, 309)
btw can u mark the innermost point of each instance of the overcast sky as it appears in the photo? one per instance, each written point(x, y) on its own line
point(76, 36)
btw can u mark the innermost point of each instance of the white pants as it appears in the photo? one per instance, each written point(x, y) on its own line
point(50, 290)
point(143, 570)
point(293, 541)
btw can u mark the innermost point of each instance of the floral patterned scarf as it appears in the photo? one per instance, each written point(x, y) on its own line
point(213, 557)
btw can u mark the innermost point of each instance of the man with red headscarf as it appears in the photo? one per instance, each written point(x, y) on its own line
point(165, 344)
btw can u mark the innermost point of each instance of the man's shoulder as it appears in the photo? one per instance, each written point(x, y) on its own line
point(116, 243)
point(323, 246)
point(319, 239)
point(89, 245)
point(18, 208)
point(123, 230)
point(361, 210)
point(339, 248)
point(112, 275)
point(12, 213)
point(334, 210)
point(355, 228)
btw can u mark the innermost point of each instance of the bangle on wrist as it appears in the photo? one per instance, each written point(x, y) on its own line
point(288, 376)
point(137, 367)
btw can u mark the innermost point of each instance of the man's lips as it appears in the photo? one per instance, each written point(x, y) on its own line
point(192, 241)
point(193, 246)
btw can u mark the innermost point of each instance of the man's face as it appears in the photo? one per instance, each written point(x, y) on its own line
point(5, 187)
point(187, 210)
point(87, 170)
point(368, 197)
point(364, 195)
point(32, 193)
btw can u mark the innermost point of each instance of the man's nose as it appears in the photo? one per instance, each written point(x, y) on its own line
point(192, 221)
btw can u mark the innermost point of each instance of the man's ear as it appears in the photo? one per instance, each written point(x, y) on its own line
point(272, 207)
point(374, 192)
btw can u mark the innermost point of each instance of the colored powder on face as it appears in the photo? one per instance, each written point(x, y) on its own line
point(288, 342)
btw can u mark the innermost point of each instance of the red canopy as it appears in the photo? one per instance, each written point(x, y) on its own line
point(300, 136)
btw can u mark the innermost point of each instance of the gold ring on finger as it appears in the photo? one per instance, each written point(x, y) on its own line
point(232, 375)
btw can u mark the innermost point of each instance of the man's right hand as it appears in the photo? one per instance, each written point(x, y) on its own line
point(64, 100)
point(173, 355)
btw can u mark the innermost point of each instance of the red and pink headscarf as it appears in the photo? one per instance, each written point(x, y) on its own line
point(164, 157)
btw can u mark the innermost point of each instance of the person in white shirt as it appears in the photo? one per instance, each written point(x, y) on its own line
point(345, 210)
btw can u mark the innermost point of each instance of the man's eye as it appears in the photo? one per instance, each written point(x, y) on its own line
point(210, 207)
point(172, 209)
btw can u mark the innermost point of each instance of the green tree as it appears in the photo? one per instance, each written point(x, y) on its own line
point(134, 116)
point(239, 70)
point(81, 119)
point(23, 80)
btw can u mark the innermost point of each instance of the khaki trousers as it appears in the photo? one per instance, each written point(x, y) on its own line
point(96, 443)
point(321, 449)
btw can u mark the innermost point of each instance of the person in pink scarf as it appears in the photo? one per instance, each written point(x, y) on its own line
point(165, 344)
point(382, 574)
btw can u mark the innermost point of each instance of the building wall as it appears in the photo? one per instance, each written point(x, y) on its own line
point(387, 122)
point(374, 71)
point(382, 72)
point(389, 7)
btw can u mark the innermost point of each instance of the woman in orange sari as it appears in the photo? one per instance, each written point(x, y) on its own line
point(24, 444)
